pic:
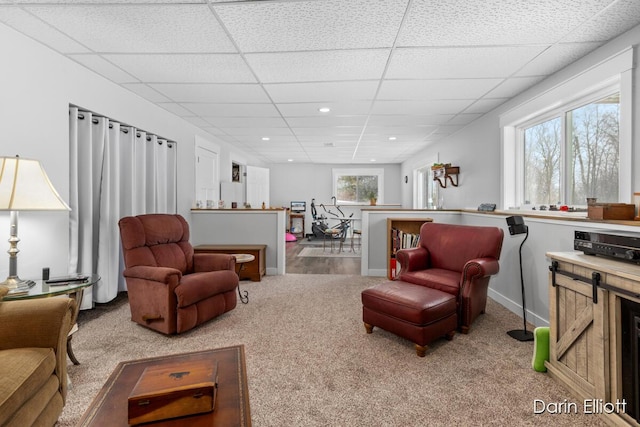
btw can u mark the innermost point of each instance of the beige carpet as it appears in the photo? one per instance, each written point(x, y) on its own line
point(310, 362)
point(326, 252)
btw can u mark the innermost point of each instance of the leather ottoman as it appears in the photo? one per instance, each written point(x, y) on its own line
point(414, 312)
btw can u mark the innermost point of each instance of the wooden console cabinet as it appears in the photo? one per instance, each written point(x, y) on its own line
point(253, 270)
point(586, 293)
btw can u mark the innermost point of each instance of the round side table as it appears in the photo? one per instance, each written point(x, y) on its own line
point(241, 260)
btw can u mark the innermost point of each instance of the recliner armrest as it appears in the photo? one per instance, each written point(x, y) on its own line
point(213, 262)
point(155, 274)
point(412, 259)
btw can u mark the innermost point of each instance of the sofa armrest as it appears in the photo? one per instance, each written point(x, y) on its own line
point(213, 262)
point(165, 275)
point(412, 259)
point(43, 322)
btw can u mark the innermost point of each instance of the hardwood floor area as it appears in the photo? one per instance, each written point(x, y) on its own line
point(319, 265)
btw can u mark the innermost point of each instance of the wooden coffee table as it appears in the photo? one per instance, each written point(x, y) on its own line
point(109, 407)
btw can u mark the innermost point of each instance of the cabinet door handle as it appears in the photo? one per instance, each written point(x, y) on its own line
point(595, 282)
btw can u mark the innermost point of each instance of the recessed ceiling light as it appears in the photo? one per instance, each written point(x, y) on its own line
point(289, 160)
point(265, 138)
point(324, 109)
point(392, 138)
point(372, 160)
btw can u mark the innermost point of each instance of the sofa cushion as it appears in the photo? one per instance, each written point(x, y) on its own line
point(436, 278)
point(23, 372)
point(198, 286)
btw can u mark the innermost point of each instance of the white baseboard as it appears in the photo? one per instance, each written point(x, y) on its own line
point(517, 308)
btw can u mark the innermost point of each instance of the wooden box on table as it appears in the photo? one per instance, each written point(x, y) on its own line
point(173, 390)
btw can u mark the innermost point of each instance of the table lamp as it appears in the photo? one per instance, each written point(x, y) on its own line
point(24, 186)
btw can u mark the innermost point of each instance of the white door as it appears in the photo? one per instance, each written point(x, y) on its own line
point(257, 186)
point(207, 187)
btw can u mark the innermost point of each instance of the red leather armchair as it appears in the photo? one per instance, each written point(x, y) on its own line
point(171, 289)
point(457, 259)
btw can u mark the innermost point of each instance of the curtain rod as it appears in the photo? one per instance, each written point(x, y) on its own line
point(125, 128)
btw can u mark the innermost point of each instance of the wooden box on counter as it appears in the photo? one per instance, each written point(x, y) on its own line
point(615, 211)
point(173, 390)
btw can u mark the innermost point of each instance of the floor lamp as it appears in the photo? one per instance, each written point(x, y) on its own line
point(24, 186)
point(517, 226)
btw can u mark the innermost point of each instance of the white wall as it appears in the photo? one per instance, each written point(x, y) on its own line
point(36, 86)
point(477, 148)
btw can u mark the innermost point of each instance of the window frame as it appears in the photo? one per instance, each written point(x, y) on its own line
point(339, 172)
point(554, 94)
point(561, 113)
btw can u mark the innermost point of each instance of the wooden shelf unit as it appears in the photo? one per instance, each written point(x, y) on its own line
point(253, 270)
point(586, 332)
point(404, 225)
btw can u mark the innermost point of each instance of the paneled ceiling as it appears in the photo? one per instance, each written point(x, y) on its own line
point(397, 75)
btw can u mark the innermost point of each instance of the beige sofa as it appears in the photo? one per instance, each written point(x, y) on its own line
point(33, 360)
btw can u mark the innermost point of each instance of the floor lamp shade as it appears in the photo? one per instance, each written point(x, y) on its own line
point(24, 186)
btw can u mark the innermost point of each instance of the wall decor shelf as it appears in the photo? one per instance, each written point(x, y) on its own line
point(443, 172)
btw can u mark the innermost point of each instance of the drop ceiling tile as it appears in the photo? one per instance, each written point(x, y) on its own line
point(398, 120)
point(485, 105)
point(464, 119)
point(319, 65)
point(493, 22)
point(33, 27)
point(556, 58)
point(244, 122)
point(177, 109)
point(312, 25)
point(322, 132)
point(146, 92)
point(419, 108)
point(232, 110)
point(131, 28)
point(322, 92)
point(310, 109)
point(212, 92)
point(462, 62)
point(185, 68)
point(257, 133)
point(105, 68)
point(513, 86)
point(620, 16)
point(436, 89)
point(105, 1)
point(402, 133)
point(198, 121)
point(296, 122)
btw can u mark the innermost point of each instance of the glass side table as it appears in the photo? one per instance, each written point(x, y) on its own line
point(74, 290)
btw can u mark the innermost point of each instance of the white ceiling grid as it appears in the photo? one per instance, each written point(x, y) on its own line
point(416, 70)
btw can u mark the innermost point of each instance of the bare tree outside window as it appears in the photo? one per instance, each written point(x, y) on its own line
point(357, 188)
point(592, 144)
point(594, 136)
point(542, 146)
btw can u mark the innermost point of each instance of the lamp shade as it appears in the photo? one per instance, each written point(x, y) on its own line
point(24, 186)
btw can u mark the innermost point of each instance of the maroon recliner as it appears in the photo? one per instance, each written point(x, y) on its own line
point(457, 259)
point(171, 289)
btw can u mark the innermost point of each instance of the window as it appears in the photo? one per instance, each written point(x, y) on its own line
point(358, 186)
point(583, 161)
point(425, 192)
point(572, 137)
